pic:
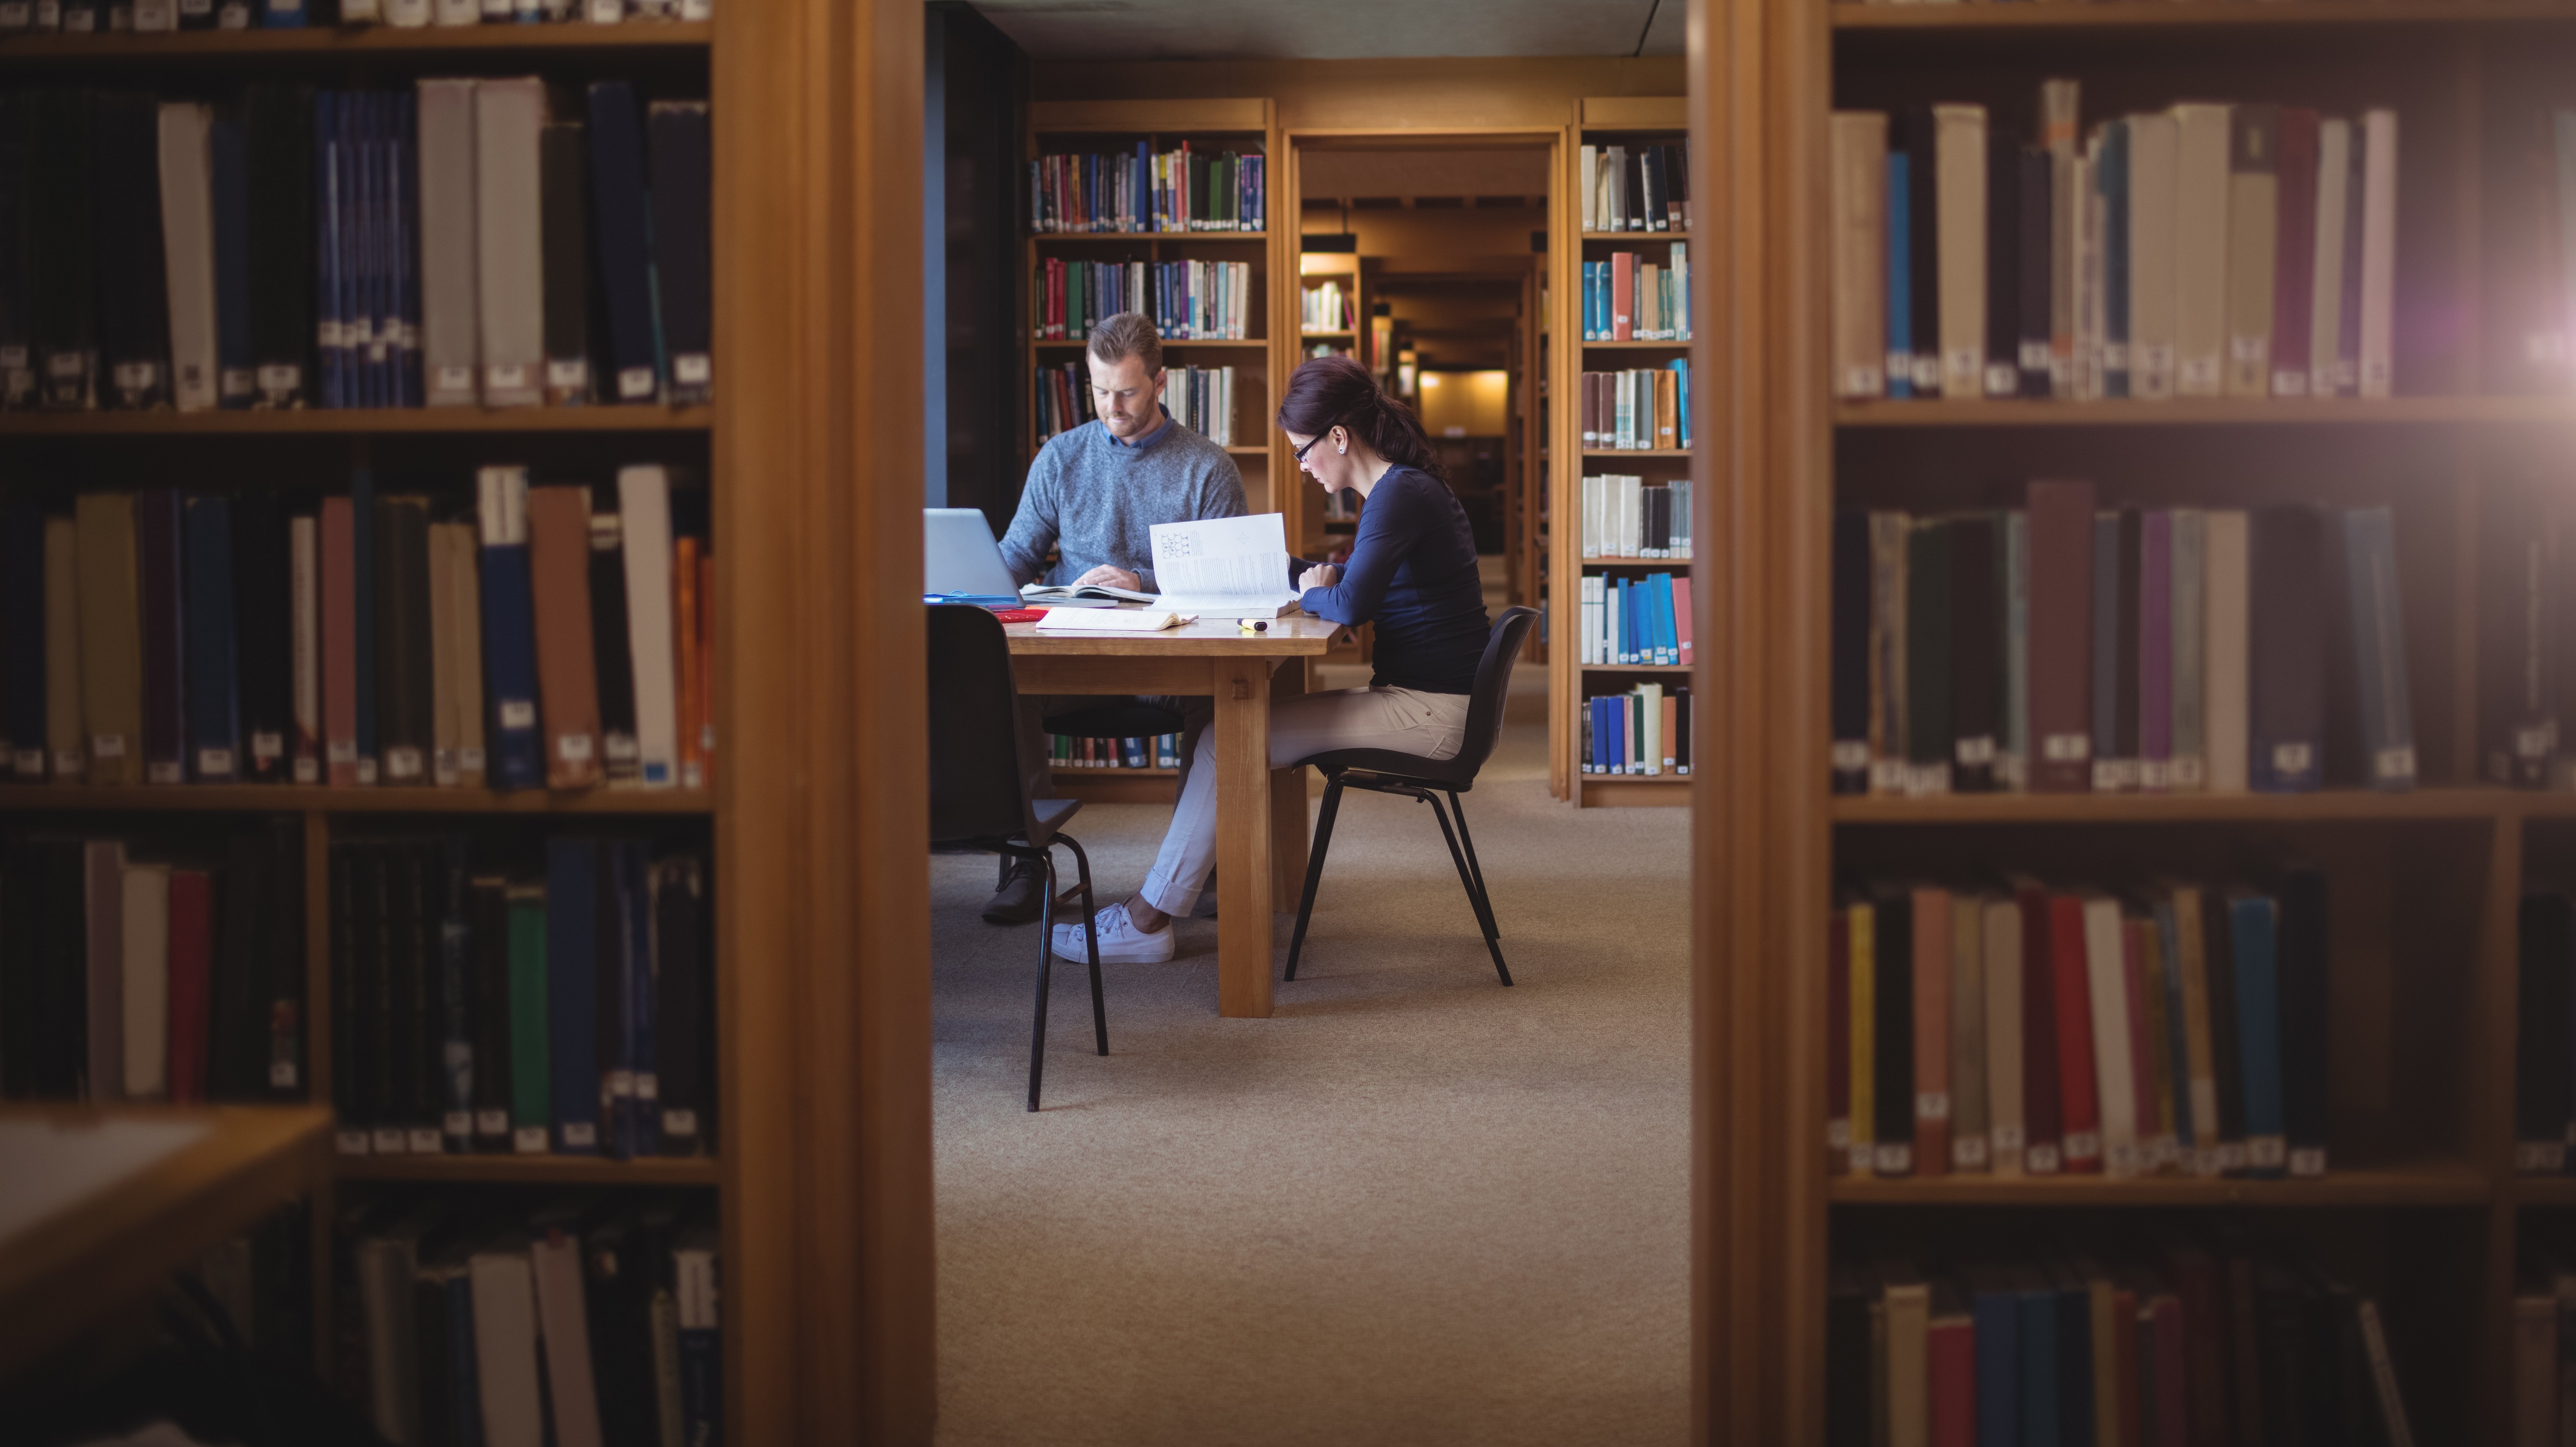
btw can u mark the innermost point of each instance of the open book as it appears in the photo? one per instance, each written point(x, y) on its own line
point(1090, 595)
point(1224, 567)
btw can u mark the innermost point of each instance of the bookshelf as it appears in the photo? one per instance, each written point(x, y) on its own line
point(2420, 1202)
point(1601, 121)
point(821, 1180)
point(1211, 126)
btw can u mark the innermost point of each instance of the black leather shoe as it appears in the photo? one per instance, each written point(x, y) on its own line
point(1017, 901)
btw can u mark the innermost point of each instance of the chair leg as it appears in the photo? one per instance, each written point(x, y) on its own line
point(1492, 945)
point(1484, 896)
point(1046, 968)
point(1314, 869)
point(1091, 941)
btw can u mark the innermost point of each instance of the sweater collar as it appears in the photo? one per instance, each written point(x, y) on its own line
point(1149, 439)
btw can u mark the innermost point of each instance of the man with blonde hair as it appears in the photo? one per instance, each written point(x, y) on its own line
point(1092, 498)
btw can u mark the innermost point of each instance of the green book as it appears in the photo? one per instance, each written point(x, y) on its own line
point(531, 1108)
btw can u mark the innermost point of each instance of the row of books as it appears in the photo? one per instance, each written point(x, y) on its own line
point(2544, 1333)
point(1162, 751)
point(81, 17)
point(2527, 636)
point(2202, 251)
point(163, 638)
point(2544, 1094)
point(1187, 300)
point(1628, 298)
point(1646, 730)
point(1326, 307)
point(1159, 191)
point(2183, 1336)
point(2065, 649)
point(480, 1007)
point(172, 971)
point(1626, 517)
point(592, 1321)
point(1637, 621)
point(1637, 409)
point(2170, 1029)
point(1199, 398)
point(2537, 236)
point(447, 245)
point(1645, 188)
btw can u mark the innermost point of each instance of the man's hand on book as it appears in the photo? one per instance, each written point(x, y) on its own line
point(1109, 577)
point(1322, 575)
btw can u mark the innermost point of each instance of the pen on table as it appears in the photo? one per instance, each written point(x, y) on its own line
point(1252, 625)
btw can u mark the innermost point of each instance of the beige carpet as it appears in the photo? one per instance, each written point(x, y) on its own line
point(1413, 1207)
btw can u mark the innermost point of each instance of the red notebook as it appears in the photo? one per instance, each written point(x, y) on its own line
point(1682, 617)
point(339, 643)
point(192, 943)
point(1951, 1370)
point(2165, 1348)
point(1837, 1040)
point(2079, 1111)
point(1931, 1032)
point(1623, 295)
point(2042, 1148)
point(2204, 1338)
point(2061, 637)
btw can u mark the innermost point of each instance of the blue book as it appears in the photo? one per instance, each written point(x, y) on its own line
point(2169, 939)
point(2074, 1359)
point(1996, 1312)
point(572, 991)
point(618, 231)
point(1669, 636)
point(228, 174)
point(1681, 391)
point(2301, 968)
point(2379, 646)
point(640, 1130)
point(281, 14)
point(2290, 593)
point(2106, 649)
point(2037, 1334)
point(330, 351)
point(2252, 921)
point(1591, 292)
point(515, 750)
point(408, 391)
point(159, 532)
point(213, 686)
point(362, 577)
point(2111, 179)
point(1900, 279)
point(22, 635)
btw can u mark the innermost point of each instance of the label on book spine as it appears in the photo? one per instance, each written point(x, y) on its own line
point(2155, 775)
point(692, 369)
point(1968, 1152)
point(634, 384)
point(518, 713)
point(350, 1142)
point(470, 760)
point(281, 1075)
point(402, 763)
point(29, 763)
point(308, 771)
point(2042, 1160)
point(2083, 1145)
point(16, 16)
point(2539, 1158)
point(580, 1135)
point(2394, 764)
point(366, 770)
point(425, 1140)
point(215, 763)
point(2066, 748)
point(2293, 758)
point(458, 1124)
point(68, 763)
point(280, 377)
point(1927, 374)
point(572, 748)
point(1850, 756)
point(1863, 381)
point(529, 1140)
point(1893, 1158)
point(2231, 1156)
point(2289, 382)
point(443, 768)
point(2308, 1161)
point(1838, 1135)
point(680, 1123)
point(619, 1085)
point(165, 772)
point(572, 376)
point(107, 746)
point(390, 1141)
point(1932, 1105)
point(2185, 772)
point(265, 745)
point(2003, 379)
point(2267, 1152)
point(1975, 752)
point(2007, 1138)
point(491, 1122)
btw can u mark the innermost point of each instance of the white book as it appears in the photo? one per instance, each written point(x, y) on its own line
point(2190, 634)
point(409, 14)
point(458, 12)
point(564, 1328)
point(505, 1349)
point(644, 497)
point(304, 542)
point(1650, 709)
point(1591, 211)
point(1592, 517)
point(147, 980)
point(465, 623)
point(451, 356)
point(1959, 220)
point(1632, 508)
point(2200, 250)
point(2152, 139)
point(2006, 1121)
point(2089, 315)
point(1592, 618)
point(509, 256)
point(2378, 252)
point(188, 252)
point(2325, 293)
point(444, 703)
point(152, 15)
point(1224, 567)
point(386, 1266)
point(2224, 655)
point(2114, 1072)
point(2060, 114)
point(495, 12)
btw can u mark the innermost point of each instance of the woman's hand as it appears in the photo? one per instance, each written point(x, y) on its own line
point(1323, 575)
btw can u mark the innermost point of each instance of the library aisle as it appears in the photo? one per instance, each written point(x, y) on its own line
point(1411, 1207)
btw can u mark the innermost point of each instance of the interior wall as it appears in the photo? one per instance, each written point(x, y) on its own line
point(971, 282)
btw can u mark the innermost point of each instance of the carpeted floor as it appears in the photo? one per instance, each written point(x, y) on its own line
point(1413, 1207)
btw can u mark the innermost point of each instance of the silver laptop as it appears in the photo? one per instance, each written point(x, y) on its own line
point(960, 561)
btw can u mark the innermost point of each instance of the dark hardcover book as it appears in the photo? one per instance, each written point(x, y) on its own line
point(133, 282)
point(2288, 649)
point(1976, 672)
point(1892, 1033)
point(409, 388)
point(410, 958)
point(615, 664)
point(41, 1001)
point(1928, 738)
point(237, 1023)
point(2344, 759)
point(2519, 577)
point(489, 926)
point(17, 262)
point(509, 632)
point(1849, 1352)
point(619, 219)
point(2075, 1390)
point(2301, 964)
point(363, 569)
point(2125, 664)
point(264, 637)
point(2108, 773)
point(636, 1098)
point(2294, 267)
point(157, 529)
point(263, 907)
point(2003, 262)
point(211, 680)
point(2244, 1346)
point(2111, 181)
point(2061, 637)
point(63, 249)
point(612, 1002)
point(1923, 247)
point(1851, 566)
point(2032, 252)
point(563, 169)
point(683, 1010)
point(683, 247)
point(2218, 951)
point(22, 634)
point(358, 993)
point(2542, 1116)
point(620, 1274)
point(406, 716)
point(455, 1065)
point(228, 178)
point(572, 885)
point(2042, 1121)
point(277, 144)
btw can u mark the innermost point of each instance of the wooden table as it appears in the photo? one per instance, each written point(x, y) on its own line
point(1260, 811)
point(89, 1256)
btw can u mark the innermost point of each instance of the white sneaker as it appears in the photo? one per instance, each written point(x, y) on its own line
point(1120, 941)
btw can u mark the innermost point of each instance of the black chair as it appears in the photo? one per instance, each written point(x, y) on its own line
point(1416, 777)
point(978, 799)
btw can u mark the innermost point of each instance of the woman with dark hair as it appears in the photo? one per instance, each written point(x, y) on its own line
point(1412, 571)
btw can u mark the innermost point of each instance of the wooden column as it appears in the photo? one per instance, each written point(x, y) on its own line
point(825, 1056)
point(1241, 684)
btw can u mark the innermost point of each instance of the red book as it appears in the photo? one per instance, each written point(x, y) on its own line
point(2172, 1395)
point(1951, 1370)
point(2042, 1146)
point(2154, 1124)
point(1682, 617)
point(2061, 637)
point(339, 643)
point(1623, 295)
point(2204, 1335)
point(2079, 1111)
point(707, 664)
point(1837, 1040)
point(192, 947)
point(2295, 252)
point(1932, 1032)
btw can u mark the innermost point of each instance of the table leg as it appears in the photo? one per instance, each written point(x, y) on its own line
point(1287, 807)
point(1243, 866)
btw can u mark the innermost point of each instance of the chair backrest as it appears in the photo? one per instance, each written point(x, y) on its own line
point(1493, 686)
point(976, 780)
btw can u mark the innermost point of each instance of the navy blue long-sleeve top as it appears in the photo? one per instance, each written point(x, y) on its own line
point(1413, 573)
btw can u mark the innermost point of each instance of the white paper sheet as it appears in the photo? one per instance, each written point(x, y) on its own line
point(1224, 567)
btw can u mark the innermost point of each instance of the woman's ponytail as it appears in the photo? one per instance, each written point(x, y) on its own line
point(1328, 391)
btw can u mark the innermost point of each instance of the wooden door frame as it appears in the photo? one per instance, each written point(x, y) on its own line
point(824, 1053)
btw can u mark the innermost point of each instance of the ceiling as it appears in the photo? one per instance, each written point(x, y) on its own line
point(1335, 29)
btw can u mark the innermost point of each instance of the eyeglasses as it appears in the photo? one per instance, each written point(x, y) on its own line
point(1299, 453)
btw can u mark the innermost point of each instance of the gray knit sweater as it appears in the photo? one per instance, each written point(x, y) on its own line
point(1094, 499)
